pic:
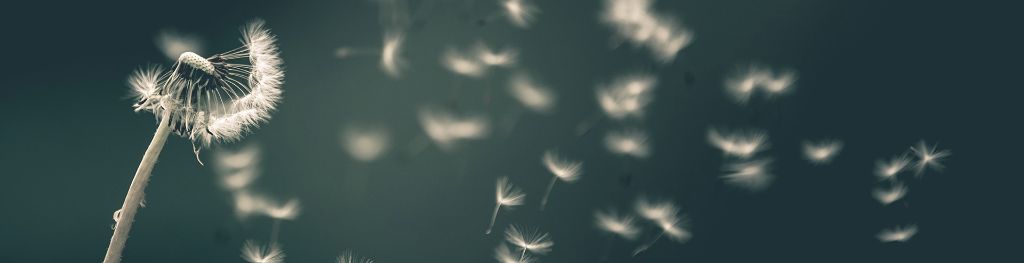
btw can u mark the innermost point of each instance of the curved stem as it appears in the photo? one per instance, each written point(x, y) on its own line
point(136, 191)
point(493, 217)
point(644, 247)
point(522, 256)
point(544, 202)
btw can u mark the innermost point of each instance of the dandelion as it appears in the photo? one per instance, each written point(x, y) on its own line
point(889, 170)
point(636, 22)
point(665, 215)
point(741, 144)
point(281, 211)
point(562, 169)
point(753, 175)
point(626, 96)
point(628, 142)
point(531, 95)
point(350, 257)
point(462, 64)
point(172, 43)
point(390, 55)
point(897, 234)
point(445, 128)
point(365, 144)
point(237, 169)
point(743, 83)
point(623, 226)
point(206, 100)
point(505, 255)
point(506, 195)
point(928, 157)
point(528, 240)
point(254, 253)
point(889, 195)
point(519, 13)
point(489, 57)
point(822, 152)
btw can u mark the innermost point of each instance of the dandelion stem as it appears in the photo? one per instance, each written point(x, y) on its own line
point(136, 192)
point(644, 247)
point(522, 256)
point(544, 201)
point(493, 217)
point(274, 231)
point(587, 125)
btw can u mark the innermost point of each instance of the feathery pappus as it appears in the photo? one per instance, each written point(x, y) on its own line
point(745, 82)
point(637, 22)
point(563, 169)
point(506, 195)
point(612, 222)
point(888, 170)
point(665, 215)
point(445, 128)
point(351, 257)
point(891, 194)
point(528, 240)
point(628, 142)
point(627, 96)
point(741, 144)
point(530, 94)
point(754, 175)
point(897, 234)
point(365, 143)
point(821, 152)
point(928, 157)
point(519, 12)
point(253, 252)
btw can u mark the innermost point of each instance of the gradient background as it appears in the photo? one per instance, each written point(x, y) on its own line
point(878, 75)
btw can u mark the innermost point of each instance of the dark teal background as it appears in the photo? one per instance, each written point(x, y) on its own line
point(879, 75)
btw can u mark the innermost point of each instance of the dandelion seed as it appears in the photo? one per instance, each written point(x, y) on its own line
point(822, 152)
point(284, 211)
point(462, 64)
point(928, 157)
point(206, 100)
point(628, 142)
point(506, 195)
point(247, 203)
point(503, 57)
point(531, 95)
point(665, 215)
point(519, 13)
point(446, 129)
point(889, 195)
point(897, 234)
point(350, 257)
point(390, 56)
point(562, 169)
point(504, 254)
point(743, 83)
point(254, 253)
point(172, 43)
point(753, 175)
point(741, 144)
point(621, 225)
point(636, 22)
point(528, 240)
point(365, 144)
point(889, 170)
point(237, 169)
point(626, 97)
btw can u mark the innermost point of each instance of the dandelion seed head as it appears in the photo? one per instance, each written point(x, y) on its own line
point(656, 210)
point(365, 144)
point(173, 43)
point(565, 170)
point(928, 157)
point(622, 225)
point(462, 64)
point(446, 129)
point(889, 170)
point(390, 56)
point(636, 22)
point(821, 152)
point(531, 95)
point(741, 144)
point(754, 175)
point(627, 96)
point(507, 194)
point(889, 195)
point(489, 57)
point(350, 257)
point(519, 12)
point(628, 142)
point(283, 211)
point(897, 234)
point(254, 253)
point(222, 97)
point(531, 240)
